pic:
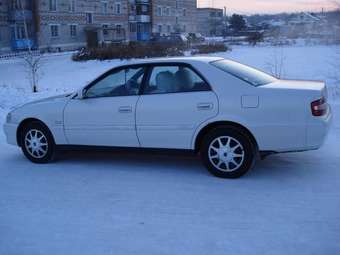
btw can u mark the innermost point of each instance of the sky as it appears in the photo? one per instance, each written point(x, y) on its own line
point(269, 6)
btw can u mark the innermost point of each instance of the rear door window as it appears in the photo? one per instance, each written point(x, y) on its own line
point(174, 79)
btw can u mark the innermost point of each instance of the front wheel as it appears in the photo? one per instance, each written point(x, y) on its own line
point(228, 152)
point(37, 143)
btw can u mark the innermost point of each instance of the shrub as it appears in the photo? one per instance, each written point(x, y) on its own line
point(255, 38)
point(130, 50)
point(209, 48)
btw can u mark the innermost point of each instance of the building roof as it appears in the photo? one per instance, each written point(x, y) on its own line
point(209, 9)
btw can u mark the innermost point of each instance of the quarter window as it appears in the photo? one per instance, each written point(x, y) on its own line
point(243, 72)
point(125, 82)
point(174, 79)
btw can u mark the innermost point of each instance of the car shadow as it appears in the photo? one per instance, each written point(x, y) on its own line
point(278, 166)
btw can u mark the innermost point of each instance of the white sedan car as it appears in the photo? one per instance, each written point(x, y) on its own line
point(228, 112)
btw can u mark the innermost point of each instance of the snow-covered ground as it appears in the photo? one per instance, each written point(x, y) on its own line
point(127, 203)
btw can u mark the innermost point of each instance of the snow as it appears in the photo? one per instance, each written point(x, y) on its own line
point(146, 203)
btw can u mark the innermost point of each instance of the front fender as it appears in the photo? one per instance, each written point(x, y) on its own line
point(48, 112)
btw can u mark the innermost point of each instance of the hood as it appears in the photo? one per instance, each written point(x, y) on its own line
point(43, 100)
point(49, 99)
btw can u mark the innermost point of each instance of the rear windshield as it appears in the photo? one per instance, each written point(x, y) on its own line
point(243, 72)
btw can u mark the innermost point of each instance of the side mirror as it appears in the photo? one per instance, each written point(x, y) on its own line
point(80, 94)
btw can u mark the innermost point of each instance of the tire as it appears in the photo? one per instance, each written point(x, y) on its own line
point(37, 143)
point(225, 161)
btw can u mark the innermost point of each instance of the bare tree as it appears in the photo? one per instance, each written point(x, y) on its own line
point(33, 62)
point(276, 62)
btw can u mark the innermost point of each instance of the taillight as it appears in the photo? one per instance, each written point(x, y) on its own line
point(319, 107)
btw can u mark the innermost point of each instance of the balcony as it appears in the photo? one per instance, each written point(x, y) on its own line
point(22, 44)
point(143, 1)
point(143, 18)
point(20, 15)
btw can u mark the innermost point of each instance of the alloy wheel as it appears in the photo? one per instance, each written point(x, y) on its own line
point(226, 154)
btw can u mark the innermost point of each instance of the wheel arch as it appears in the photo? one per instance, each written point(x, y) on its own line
point(25, 122)
point(206, 129)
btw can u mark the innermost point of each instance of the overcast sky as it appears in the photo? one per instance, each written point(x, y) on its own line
point(268, 6)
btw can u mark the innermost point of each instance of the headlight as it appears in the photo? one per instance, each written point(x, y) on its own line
point(9, 118)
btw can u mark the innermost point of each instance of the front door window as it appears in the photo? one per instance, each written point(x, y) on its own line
point(124, 82)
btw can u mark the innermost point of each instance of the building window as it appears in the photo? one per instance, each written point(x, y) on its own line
point(20, 32)
point(52, 5)
point(72, 5)
point(166, 11)
point(54, 30)
point(145, 8)
point(159, 11)
point(89, 18)
point(118, 8)
point(105, 31)
point(169, 29)
point(17, 5)
point(104, 7)
point(184, 12)
point(119, 29)
point(159, 28)
point(73, 30)
point(133, 27)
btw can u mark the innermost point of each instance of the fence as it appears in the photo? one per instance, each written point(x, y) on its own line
point(18, 54)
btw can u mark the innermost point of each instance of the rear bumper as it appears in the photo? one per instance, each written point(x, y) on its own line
point(317, 130)
point(10, 130)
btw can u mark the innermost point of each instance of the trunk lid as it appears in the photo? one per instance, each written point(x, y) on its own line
point(297, 85)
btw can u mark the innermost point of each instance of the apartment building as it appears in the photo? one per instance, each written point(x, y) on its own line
point(5, 40)
point(71, 24)
point(174, 16)
point(210, 21)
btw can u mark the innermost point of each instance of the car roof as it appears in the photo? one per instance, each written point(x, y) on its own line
point(186, 60)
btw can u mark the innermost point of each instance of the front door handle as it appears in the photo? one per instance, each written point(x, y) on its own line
point(125, 109)
point(205, 106)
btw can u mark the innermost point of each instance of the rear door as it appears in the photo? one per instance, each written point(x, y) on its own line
point(175, 101)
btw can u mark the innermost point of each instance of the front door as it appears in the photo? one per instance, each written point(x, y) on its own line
point(106, 114)
point(175, 101)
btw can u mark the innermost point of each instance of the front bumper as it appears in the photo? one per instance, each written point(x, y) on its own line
point(10, 130)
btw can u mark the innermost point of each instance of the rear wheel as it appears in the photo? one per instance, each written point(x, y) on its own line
point(37, 143)
point(228, 152)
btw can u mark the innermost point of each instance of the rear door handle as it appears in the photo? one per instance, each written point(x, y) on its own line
point(205, 106)
point(125, 109)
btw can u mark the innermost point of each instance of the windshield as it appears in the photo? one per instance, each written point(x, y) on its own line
point(243, 72)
